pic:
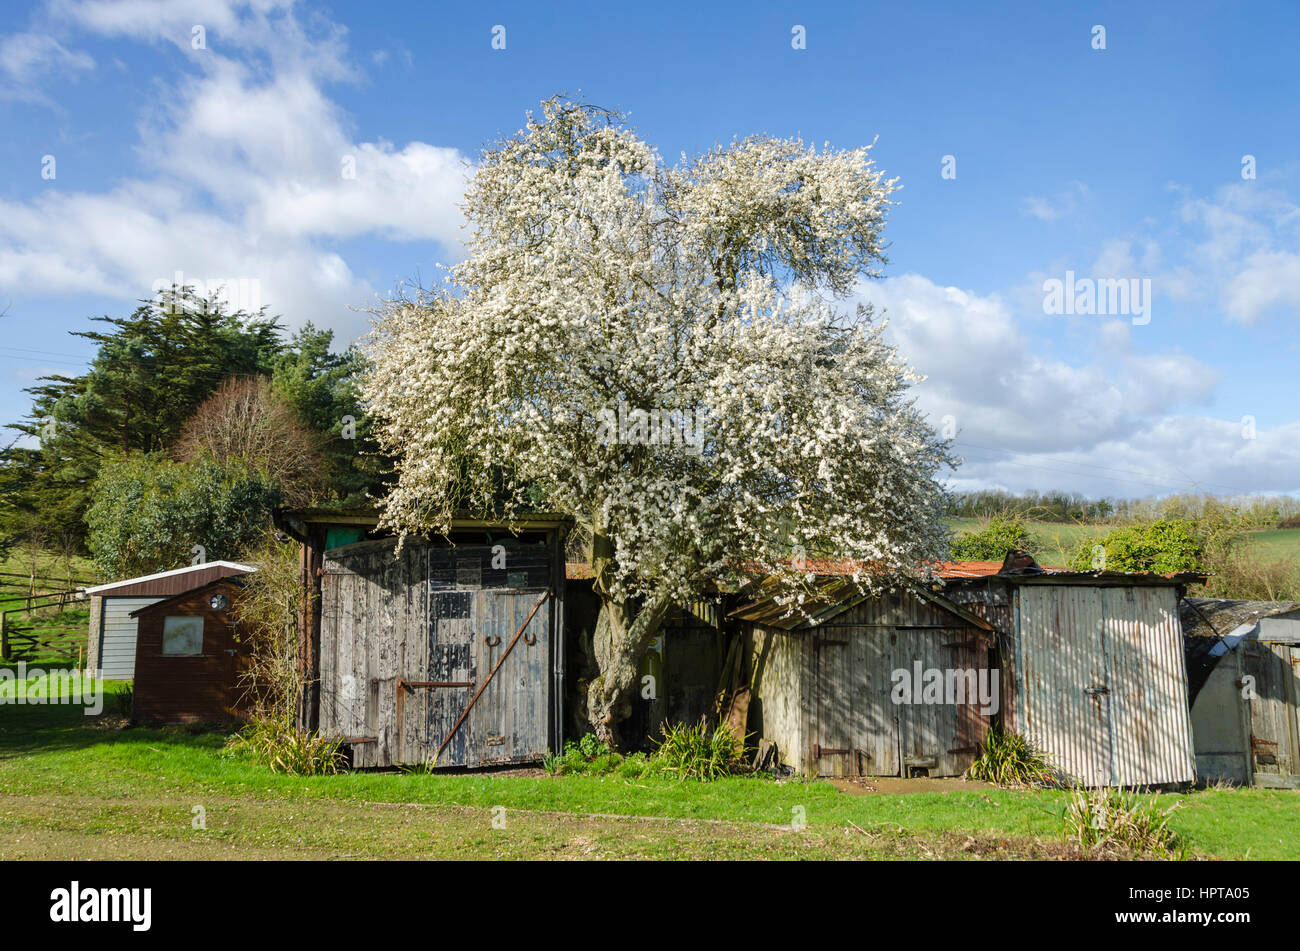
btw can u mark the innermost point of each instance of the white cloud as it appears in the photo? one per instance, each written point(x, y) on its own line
point(28, 61)
point(1108, 420)
point(246, 172)
point(1063, 205)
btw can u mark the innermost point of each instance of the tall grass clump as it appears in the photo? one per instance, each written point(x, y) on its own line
point(1112, 821)
point(697, 752)
point(283, 748)
point(1008, 759)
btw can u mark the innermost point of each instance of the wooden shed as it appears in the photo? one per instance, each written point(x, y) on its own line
point(1088, 666)
point(111, 645)
point(1243, 660)
point(190, 661)
point(844, 692)
point(449, 652)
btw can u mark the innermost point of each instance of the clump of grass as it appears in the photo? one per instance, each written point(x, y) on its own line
point(685, 752)
point(1112, 820)
point(1008, 759)
point(281, 746)
point(696, 752)
point(125, 699)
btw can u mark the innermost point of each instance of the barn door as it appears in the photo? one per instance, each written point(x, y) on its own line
point(1273, 716)
point(875, 715)
point(939, 739)
point(430, 708)
point(510, 722)
point(1065, 690)
point(833, 733)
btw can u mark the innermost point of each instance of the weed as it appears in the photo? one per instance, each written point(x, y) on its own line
point(1112, 820)
point(1008, 759)
point(696, 752)
point(279, 745)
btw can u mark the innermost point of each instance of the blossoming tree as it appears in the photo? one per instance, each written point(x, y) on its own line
point(655, 350)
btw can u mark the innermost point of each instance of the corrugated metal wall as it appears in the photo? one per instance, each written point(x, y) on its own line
point(1102, 682)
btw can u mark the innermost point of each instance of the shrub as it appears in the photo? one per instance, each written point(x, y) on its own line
point(696, 752)
point(1165, 546)
point(587, 755)
point(1112, 820)
point(279, 745)
point(126, 700)
point(1008, 759)
point(993, 541)
point(148, 512)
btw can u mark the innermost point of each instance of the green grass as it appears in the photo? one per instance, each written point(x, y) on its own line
point(72, 785)
point(1276, 544)
point(73, 621)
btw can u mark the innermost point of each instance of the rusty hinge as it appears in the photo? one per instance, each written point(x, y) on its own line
point(962, 644)
point(411, 684)
point(965, 749)
point(827, 642)
point(819, 751)
point(358, 739)
point(1256, 742)
point(1094, 690)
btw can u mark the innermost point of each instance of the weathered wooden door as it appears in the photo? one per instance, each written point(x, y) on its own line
point(875, 715)
point(1274, 728)
point(432, 707)
point(510, 721)
point(832, 668)
point(937, 737)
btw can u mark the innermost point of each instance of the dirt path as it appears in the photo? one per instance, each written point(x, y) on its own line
point(87, 827)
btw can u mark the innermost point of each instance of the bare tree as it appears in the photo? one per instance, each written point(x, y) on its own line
point(248, 420)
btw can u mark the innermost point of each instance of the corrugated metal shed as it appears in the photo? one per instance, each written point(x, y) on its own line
point(1101, 683)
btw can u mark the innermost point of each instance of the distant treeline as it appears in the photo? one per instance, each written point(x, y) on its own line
point(1259, 511)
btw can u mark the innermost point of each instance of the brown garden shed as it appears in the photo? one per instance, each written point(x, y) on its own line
point(189, 661)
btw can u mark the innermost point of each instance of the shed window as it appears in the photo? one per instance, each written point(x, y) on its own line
point(182, 635)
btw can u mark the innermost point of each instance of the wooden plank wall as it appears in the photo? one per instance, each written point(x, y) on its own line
point(426, 615)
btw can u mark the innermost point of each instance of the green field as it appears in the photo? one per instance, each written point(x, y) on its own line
point(69, 625)
point(1056, 540)
point(76, 787)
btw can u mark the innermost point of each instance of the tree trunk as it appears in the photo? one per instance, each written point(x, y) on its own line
point(623, 631)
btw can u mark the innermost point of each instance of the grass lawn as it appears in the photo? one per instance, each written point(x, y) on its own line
point(73, 786)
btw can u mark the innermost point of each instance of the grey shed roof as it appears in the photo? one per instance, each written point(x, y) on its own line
point(1218, 617)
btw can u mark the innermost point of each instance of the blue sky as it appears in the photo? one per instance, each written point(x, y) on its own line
point(1117, 163)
